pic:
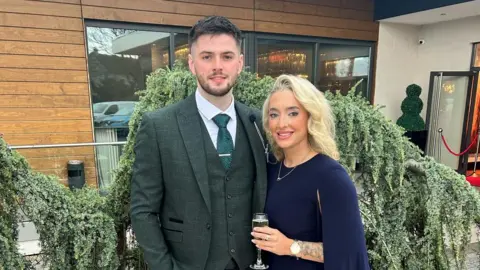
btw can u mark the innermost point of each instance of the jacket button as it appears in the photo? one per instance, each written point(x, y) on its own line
point(229, 197)
point(231, 233)
point(208, 226)
point(230, 215)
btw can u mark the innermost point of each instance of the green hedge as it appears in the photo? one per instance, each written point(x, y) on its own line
point(410, 204)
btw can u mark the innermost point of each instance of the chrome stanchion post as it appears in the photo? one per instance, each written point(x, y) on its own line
point(476, 155)
point(439, 145)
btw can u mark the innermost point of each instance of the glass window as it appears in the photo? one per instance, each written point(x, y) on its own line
point(340, 67)
point(181, 48)
point(477, 55)
point(119, 61)
point(277, 57)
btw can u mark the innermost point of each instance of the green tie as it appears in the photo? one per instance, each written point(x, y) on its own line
point(224, 139)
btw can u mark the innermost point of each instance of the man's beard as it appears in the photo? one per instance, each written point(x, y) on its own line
point(216, 92)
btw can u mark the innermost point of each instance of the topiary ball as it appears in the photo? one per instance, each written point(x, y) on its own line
point(414, 90)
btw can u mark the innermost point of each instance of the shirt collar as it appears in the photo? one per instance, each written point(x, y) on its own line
point(209, 110)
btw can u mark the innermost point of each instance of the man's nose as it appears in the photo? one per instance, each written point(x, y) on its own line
point(217, 63)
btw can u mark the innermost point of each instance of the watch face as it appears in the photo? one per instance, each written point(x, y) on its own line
point(295, 248)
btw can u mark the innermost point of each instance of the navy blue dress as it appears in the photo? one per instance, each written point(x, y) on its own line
point(293, 209)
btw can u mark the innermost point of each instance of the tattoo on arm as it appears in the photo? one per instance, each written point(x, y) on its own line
point(312, 250)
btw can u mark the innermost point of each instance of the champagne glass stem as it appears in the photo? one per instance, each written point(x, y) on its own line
point(259, 256)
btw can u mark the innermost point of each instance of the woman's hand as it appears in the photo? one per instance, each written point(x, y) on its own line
point(271, 240)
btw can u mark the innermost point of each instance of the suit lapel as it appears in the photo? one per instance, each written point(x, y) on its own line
point(244, 113)
point(189, 123)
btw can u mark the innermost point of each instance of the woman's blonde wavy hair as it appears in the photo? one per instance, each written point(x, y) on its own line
point(321, 123)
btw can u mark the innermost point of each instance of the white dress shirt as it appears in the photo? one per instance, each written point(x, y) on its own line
point(207, 111)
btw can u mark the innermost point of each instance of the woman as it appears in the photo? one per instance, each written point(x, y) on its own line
point(312, 203)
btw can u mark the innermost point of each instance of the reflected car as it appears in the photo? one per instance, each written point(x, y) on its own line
point(104, 110)
point(119, 119)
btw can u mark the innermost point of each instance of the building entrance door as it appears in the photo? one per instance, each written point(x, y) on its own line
point(449, 116)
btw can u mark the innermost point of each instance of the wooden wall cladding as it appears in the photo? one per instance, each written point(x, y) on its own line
point(44, 91)
point(349, 19)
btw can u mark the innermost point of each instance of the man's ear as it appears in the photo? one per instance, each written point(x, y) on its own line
point(241, 60)
point(190, 64)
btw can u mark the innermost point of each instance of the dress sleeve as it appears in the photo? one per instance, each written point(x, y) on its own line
point(343, 234)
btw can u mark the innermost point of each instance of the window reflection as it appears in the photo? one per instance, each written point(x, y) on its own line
point(278, 57)
point(342, 67)
point(181, 48)
point(119, 61)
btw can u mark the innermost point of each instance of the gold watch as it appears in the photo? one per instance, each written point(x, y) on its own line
point(295, 248)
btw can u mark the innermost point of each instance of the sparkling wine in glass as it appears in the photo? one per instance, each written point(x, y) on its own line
point(259, 220)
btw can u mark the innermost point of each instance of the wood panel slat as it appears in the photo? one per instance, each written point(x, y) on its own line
point(281, 17)
point(37, 88)
point(27, 101)
point(358, 4)
point(174, 7)
point(350, 4)
point(40, 21)
point(309, 9)
point(59, 162)
point(41, 114)
point(56, 138)
point(242, 3)
point(357, 14)
point(27, 127)
point(294, 29)
point(57, 152)
point(38, 48)
point(332, 3)
point(41, 35)
point(42, 62)
point(112, 14)
point(40, 8)
point(42, 75)
point(60, 1)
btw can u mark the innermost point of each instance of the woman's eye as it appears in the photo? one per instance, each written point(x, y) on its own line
point(293, 113)
point(273, 115)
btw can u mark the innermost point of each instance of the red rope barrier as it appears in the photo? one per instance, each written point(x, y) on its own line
point(460, 154)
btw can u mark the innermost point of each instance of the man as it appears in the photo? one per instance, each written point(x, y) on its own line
point(200, 169)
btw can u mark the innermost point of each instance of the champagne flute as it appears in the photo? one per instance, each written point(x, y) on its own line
point(259, 220)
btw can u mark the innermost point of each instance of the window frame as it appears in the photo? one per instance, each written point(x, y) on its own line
point(474, 56)
point(250, 45)
point(317, 42)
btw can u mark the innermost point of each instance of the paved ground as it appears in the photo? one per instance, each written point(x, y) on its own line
point(472, 257)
